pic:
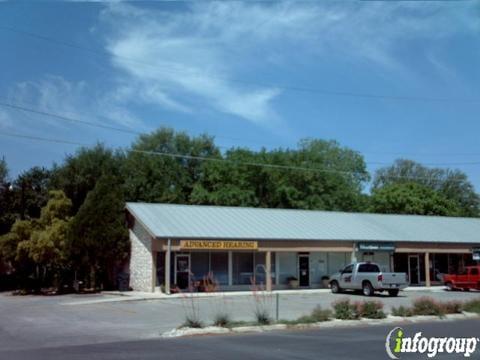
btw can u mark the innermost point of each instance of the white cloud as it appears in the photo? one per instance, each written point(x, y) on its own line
point(72, 99)
point(190, 53)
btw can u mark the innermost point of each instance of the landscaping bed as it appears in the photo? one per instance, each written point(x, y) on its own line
point(343, 313)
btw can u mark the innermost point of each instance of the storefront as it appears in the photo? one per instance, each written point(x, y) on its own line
point(202, 248)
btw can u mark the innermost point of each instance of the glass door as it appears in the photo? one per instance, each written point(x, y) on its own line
point(304, 270)
point(414, 269)
point(182, 270)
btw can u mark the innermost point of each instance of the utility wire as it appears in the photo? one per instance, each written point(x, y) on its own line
point(107, 127)
point(219, 160)
point(104, 53)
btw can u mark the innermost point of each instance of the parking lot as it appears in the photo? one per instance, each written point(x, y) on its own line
point(28, 322)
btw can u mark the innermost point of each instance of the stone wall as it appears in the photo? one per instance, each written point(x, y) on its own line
point(141, 260)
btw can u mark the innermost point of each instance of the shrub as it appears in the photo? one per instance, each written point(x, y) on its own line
point(262, 301)
point(318, 314)
point(452, 307)
point(371, 310)
point(344, 310)
point(192, 322)
point(472, 306)
point(222, 320)
point(402, 311)
point(427, 306)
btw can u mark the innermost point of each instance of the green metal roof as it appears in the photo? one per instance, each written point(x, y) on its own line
point(218, 222)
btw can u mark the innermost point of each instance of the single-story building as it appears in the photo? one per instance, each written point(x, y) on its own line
point(178, 246)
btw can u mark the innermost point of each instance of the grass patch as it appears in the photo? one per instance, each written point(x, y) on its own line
point(402, 311)
point(472, 306)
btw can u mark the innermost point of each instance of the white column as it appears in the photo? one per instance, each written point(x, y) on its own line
point(268, 270)
point(167, 266)
point(427, 269)
point(230, 268)
point(353, 258)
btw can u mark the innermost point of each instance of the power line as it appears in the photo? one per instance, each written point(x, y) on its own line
point(245, 82)
point(204, 158)
point(107, 127)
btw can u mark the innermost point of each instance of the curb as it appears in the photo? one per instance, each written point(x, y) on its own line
point(335, 323)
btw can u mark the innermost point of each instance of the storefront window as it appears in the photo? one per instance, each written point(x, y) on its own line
point(199, 266)
point(288, 266)
point(219, 267)
point(243, 268)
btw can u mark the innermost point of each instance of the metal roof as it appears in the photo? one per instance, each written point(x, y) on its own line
point(218, 222)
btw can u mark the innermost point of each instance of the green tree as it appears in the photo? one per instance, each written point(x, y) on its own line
point(47, 245)
point(159, 178)
point(80, 172)
point(334, 178)
point(30, 192)
point(99, 237)
point(452, 184)
point(7, 215)
point(411, 198)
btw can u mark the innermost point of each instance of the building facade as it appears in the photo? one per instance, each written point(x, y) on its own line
point(211, 248)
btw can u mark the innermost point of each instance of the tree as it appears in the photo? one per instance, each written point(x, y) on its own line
point(98, 234)
point(412, 198)
point(318, 175)
point(452, 184)
point(38, 247)
point(162, 178)
point(7, 216)
point(30, 192)
point(80, 172)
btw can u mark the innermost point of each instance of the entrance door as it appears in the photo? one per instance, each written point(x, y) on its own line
point(304, 270)
point(182, 270)
point(414, 269)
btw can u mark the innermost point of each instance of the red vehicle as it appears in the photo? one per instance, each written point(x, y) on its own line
point(466, 280)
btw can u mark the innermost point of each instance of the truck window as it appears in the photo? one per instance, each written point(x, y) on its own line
point(368, 268)
point(348, 269)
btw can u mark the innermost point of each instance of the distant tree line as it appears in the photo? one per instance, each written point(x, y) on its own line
point(67, 223)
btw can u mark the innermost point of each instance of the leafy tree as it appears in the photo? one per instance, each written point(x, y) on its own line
point(333, 180)
point(157, 178)
point(30, 192)
point(99, 237)
point(412, 198)
point(7, 216)
point(80, 172)
point(452, 184)
point(40, 245)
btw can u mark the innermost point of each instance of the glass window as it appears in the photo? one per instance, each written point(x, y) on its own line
point(368, 268)
point(199, 265)
point(219, 267)
point(287, 266)
point(243, 271)
point(337, 261)
point(348, 269)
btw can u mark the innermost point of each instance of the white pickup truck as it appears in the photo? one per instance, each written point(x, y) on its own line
point(368, 278)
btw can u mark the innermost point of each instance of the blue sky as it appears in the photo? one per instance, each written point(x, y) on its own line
point(234, 70)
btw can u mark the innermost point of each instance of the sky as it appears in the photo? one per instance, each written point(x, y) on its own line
point(397, 79)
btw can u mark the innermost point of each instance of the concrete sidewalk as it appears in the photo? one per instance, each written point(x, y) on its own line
point(120, 296)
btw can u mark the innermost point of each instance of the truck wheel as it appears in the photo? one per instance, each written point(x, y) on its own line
point(335, 287)
point(393, 292)
point(449, 286)
point(367, 289)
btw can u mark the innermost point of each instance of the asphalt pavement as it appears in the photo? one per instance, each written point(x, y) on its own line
point(365, 343)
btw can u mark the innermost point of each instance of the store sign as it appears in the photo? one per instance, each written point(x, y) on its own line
point(218, 245)
point(376, 247)
point(476, 254)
